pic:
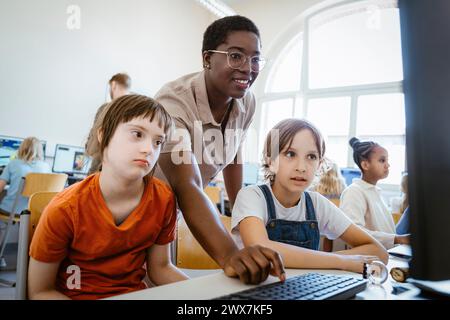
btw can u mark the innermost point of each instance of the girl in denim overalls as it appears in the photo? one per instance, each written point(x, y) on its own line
point(281, 215)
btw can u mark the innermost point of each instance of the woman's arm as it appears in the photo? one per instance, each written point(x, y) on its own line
point(159, 268)
point(41, 281)
point(232, 175)
point(251, 265)
point(253, 231)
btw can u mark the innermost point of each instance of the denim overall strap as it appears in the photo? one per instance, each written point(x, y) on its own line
point(310, 212)
point(269, 201)
point(303, 234)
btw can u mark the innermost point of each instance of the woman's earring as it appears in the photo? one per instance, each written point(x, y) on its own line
point(207, 66)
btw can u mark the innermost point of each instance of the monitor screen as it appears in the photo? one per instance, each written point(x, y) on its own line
point(250, 174)
point(70, 160)
point(426, 68)
point(349, 174)
point(8, 149)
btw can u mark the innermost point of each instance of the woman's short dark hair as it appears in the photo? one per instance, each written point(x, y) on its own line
point(218, 31)
point(361, 150)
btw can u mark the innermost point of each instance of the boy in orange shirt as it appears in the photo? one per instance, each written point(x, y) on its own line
point(95, 237)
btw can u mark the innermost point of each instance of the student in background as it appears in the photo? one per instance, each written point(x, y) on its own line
point(402, 226)
point(29, 159)
point(330, 183)
point(114, 222)
point(404, 189)
point(362, 201)
point(213, 110)
point(283, 216)
point(119, 85)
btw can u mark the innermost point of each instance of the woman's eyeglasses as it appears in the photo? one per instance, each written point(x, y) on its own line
point(237, 59)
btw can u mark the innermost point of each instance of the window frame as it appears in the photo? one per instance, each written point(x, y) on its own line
point(300, 28)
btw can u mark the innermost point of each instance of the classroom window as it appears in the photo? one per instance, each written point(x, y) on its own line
point(332, 117)
point(355, 46)
point(345, 76)
point(274, 112)
point(286, 73)
point(386, 127)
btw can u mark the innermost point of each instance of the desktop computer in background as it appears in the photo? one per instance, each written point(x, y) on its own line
point(8, 149)
point(349, 174)
point(250, 174)
point(71, 160)
point(425, 32)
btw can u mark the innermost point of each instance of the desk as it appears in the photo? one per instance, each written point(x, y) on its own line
point(218, 284)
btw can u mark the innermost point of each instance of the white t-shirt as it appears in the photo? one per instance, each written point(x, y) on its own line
point(250, 202)
point(362, 203)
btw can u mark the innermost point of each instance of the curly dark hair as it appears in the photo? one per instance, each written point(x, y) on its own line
point(361, 150)
point(218, 31)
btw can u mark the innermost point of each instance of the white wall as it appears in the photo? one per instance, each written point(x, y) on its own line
point(53, 79)
point(272, 17)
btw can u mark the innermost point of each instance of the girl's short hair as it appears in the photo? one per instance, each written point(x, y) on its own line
point(361, 150)
point(121, 78)
point(30, 150)
point(125, 109)
point(218, 31)
point(280, 137)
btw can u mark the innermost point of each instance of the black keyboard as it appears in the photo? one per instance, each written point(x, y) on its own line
point(310, 286)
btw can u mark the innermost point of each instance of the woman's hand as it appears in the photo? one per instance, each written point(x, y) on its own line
point(253, 264)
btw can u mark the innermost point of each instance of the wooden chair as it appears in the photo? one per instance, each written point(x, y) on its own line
point(31, 183)
point(215, 194)
point(28, 223)
point(396, 216)
point(190, 254)
point(327, 243)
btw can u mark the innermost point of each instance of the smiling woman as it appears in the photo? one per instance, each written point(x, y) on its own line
point(215, 102)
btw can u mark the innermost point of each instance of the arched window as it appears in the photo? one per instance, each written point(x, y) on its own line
point(344, 73)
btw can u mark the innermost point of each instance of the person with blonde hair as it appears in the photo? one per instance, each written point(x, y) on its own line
point(330, 183)
point(29, 159)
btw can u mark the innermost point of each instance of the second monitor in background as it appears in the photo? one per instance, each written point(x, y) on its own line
point(250, 174)
point(71, 160)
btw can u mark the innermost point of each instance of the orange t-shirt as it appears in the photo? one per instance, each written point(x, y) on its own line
point(78, 229)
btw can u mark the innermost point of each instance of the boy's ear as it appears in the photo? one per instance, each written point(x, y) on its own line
point(99, 135)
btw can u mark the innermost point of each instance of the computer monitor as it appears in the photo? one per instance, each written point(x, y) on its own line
point(71, 160)
point(8, 149)
point(425, 32)
point(250, 173)
point(349, 174)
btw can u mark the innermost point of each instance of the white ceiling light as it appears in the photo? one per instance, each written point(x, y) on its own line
point(217, 7)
